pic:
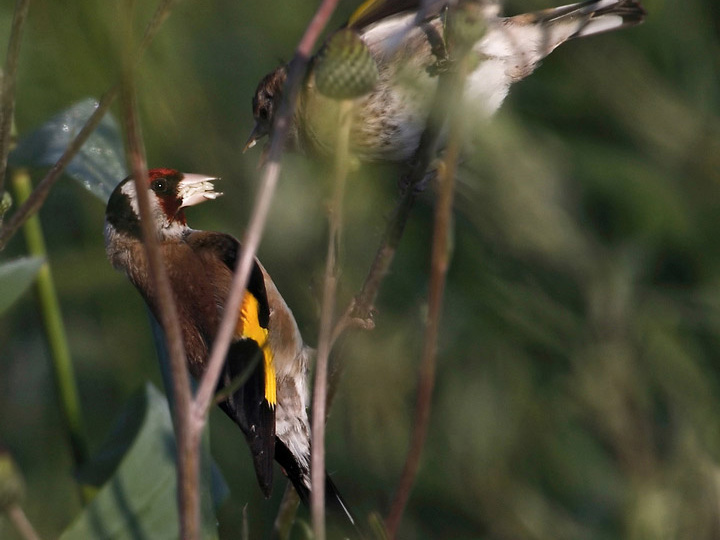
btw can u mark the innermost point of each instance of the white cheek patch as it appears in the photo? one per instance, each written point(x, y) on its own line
point(128, 189)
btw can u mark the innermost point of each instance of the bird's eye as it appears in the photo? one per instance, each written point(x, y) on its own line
point(159, 185)
point(263, 113)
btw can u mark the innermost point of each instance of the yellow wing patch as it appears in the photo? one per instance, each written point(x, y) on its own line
point(364, 8)
point(248, 327)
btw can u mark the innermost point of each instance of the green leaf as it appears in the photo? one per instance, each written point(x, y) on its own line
point(136, 469)
point(218, 488)
point(99, 165)
point(15, 277)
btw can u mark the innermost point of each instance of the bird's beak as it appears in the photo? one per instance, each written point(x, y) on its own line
point(257, 133)
point(196, 188)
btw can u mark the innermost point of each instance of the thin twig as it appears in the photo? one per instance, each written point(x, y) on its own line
point(63, 372)
point(208, 383)
point(452, 92)
point(162, 12)
point(187, 441)
point(359, 312)
point(9, 80)
point(41, 191)
point(245, 524)
point(38, 196)
point(286, 513)
point(258, 218)
point(327, 313)
point(296, 72)
point(21, 522)
point(187, 447)
point(426, 379)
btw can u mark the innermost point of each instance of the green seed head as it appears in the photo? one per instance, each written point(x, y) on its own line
point(344, 68)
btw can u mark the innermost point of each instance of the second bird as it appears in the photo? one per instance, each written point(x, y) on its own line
point(389, 121)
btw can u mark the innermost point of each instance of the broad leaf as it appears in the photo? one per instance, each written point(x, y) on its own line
point(15, 277)
point(99, 165)
point(218, 488)
point(136, 471)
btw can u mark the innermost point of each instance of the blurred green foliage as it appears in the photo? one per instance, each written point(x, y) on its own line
point(578, 390)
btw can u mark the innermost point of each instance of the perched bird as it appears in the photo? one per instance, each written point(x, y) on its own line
point(389, 121)
point(270, 407)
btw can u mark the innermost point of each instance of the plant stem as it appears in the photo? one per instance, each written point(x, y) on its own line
point(188, 440)
point(9, 79)
point(54, 327)
point(438, 274)
point(36, 199)
point(258, 218)
point(286, 514)
point(327, 313)
point(38, 196)
point(21, 522)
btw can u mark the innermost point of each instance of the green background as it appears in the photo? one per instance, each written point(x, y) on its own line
point(577, 391)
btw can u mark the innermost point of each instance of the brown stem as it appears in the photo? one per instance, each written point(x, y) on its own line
point(438, 273)
point(9, 79)
point(40, 193)
point(187, 441)
point(21, 523)
point(360, 311)
point(286, 514)
point(363, 304)
point(260, 209)
point(327, 313)
point(208, 383)
point(162, 12)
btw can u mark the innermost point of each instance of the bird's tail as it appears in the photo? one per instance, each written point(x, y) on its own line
point(333, 500)
point(596, 16)
point(299, 478)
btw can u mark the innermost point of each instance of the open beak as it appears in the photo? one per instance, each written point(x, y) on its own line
point(257, 133)
point(196, 188)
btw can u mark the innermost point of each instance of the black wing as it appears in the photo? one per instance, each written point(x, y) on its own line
point(246, 405)
point(248, 408)
point(373, 11)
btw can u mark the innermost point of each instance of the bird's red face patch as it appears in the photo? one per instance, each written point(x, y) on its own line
point(164, 184)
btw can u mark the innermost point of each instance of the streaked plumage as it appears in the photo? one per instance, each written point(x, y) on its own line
point(389, 120)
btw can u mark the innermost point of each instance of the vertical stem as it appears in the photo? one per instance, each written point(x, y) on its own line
point(426, 379)
point(438, 274)
point(54, 327)
point(286, 514)
point(38, 196)
point(268, 183)
point(9, 77)
point(327, 313)
point(188, 440)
